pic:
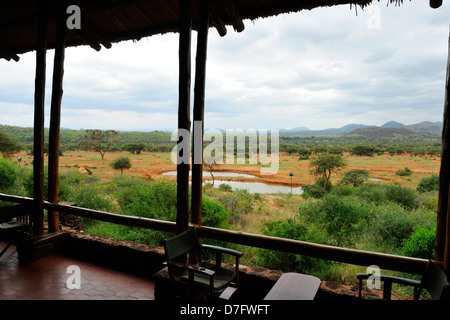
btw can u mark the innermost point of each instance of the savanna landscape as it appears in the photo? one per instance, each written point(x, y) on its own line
point(381, 197)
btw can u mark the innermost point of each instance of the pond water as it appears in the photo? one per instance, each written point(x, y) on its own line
point(251, 187)
point(216, 174)
point(259, 187)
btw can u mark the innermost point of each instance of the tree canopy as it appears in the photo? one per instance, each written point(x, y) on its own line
point(99, 140)
point(324, 165)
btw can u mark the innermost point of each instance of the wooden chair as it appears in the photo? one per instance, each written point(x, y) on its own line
point(433, 280)
point(202, 279)
point(14, 224)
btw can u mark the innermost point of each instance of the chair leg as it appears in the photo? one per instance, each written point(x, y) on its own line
point(387, 290)
point(360, 288)
point(5, 249)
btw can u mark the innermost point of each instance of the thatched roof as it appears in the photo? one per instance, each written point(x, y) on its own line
point(108, 21)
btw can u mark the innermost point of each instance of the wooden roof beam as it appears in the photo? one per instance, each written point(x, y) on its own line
point(217, 22)
point(233, 13)
point(92, 39)
point(88, 39)
point(6, 54)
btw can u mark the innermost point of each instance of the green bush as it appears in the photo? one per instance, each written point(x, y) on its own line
point(238, 202)
point(321, 182)
point(393, 224)
point(430, 183)
point(313, 191)
point(371, 192)
point(156, 200)
point(225, 187)
point(404, 172)
point(121, 163)
point(420, 244)
point(343, 190)
point(402, 195)
point(343, 218)
point(214, 214)
point(69, 181)
point(355, 177)
point(292, 229)
point(89, 196)
point(428, 200)
point(8, 173)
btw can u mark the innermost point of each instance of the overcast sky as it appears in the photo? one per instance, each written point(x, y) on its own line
point(318, 69)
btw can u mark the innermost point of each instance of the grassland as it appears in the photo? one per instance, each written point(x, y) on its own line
point(153, 164)
point(285, 212)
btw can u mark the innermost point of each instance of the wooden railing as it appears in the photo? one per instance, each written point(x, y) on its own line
point(344, 255)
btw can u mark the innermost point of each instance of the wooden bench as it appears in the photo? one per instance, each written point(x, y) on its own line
point(294, 286)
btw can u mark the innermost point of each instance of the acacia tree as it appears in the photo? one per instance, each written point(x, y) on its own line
point(121, 164)
point(98, 140)
point(324, 165)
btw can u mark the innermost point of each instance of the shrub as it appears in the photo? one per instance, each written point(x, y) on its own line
point(374, 193)
point(363, 150)
point(121, 164)
point(402, 195)
point(70, 180)
point(428, 200)
point(342, 218)
point(214, 214)
point(156, 200)
point(420, 244)
point(292, 229)
point(430, 183)
point(404, 172)
point(238, 202)
point(8, 173)
point(343, 190)
point(314, 191)
point(225, 187)
point(89, 196)
point(394, 224)
point(355, 177)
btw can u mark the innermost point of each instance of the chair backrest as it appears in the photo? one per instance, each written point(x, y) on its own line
point(180, 244)
point(434, 281)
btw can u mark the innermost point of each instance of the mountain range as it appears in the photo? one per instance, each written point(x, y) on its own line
point(427, 127)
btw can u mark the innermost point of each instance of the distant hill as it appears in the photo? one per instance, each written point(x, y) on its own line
point(427, 127)
point(342, 130)
point(388, 133)
point(392, 124)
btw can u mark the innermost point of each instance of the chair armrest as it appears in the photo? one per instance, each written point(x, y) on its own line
point(192, 267)
point(399, 280)
point(221, 249)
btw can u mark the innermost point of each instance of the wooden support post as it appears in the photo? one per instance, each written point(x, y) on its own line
point(55, 120)
point(184, 123)
point(442, 250)
point(39, 97)
point(199, 107)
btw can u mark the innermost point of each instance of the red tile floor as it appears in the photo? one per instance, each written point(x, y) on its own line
point(50, 278)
